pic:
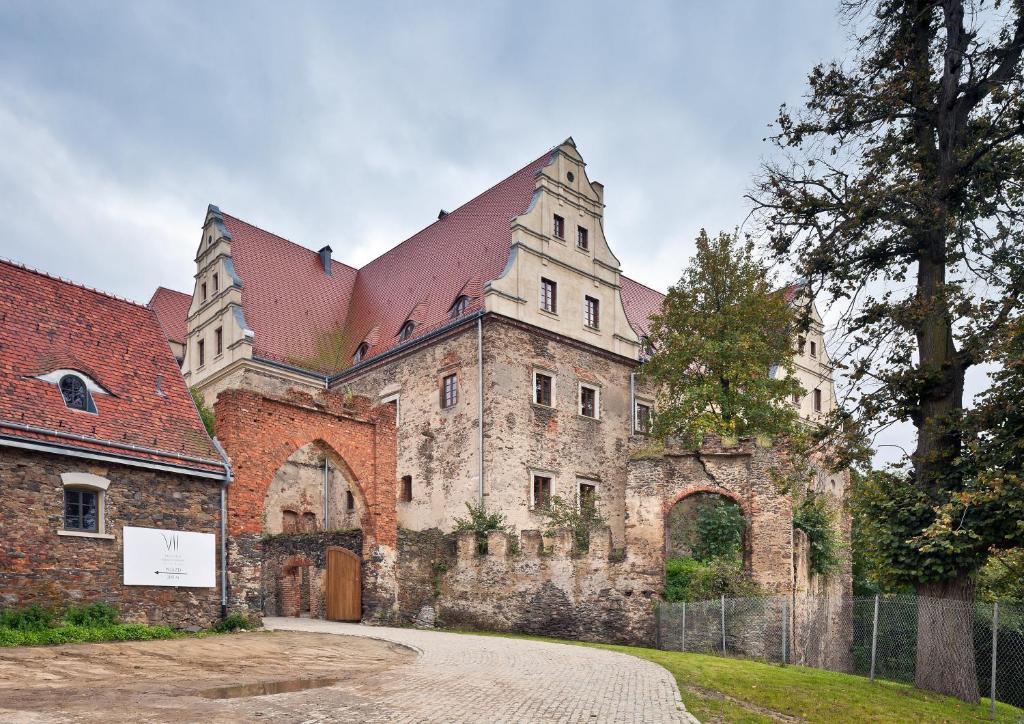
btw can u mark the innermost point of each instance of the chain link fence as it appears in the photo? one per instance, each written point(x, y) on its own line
point(873, 636)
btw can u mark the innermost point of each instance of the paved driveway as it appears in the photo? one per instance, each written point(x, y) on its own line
point(463, 678)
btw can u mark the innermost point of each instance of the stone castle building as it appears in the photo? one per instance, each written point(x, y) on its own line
point(497, 351)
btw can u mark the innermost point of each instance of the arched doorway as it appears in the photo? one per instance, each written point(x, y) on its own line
point(705, 525)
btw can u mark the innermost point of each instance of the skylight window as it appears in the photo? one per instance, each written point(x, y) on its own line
point(76, 394)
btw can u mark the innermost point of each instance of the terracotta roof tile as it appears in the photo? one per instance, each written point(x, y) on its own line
point(171, 309)
point(641, 302)
point(48, 324)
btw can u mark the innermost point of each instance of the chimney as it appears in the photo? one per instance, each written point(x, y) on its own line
point(441, 214)
point(325, 259)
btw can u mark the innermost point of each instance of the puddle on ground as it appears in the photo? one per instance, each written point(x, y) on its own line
point(264, 688)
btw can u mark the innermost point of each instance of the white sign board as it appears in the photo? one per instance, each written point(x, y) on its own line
point(154, 557)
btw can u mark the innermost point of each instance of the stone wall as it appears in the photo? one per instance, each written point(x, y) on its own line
point(39, 566)
point(294, 570)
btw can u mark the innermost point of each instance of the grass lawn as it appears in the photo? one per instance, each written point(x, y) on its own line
point(716, 688)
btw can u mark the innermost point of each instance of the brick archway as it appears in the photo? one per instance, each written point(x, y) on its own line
point(694, 488)
point(259, 434)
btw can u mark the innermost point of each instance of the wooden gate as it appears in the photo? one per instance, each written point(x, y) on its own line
point(344, 585)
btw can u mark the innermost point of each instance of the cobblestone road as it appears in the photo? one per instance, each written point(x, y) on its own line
point(464, 678)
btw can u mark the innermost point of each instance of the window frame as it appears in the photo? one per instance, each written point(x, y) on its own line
point(449, 401)
point(216, 282)
point(405, 333)
point(582, 235)
point(551, 388)
point(814, 349)
point(458, 307)
point(90, 405)
point(201, 351)
point(597, 400)
point(550, 478)
point(202, 288)
point(558, 227)
point(218, 345)
point(81, 482)
point(817, 399)
point(546, 298)
point(591, 312)
point(637, 428)
point(361, 351)
point(580, 484)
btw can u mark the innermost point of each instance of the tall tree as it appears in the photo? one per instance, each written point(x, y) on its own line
point(899, 192)
point(722, 347)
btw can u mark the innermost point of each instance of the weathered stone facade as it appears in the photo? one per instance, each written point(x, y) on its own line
point(294, 567)
point(39, 565)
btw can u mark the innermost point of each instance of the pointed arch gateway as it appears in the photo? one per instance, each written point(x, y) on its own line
point(261, 433)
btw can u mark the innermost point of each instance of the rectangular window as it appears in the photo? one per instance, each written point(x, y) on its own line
point(201, 348)
point(559, 227)
point(643, 417)
point(203, 289)
point(350, 500)
point(81, 510)
point(592, 312)
point(540, 493)
point(548, 295)
point(216, 282)
point(817, 400)
point(581, 238)
point(449, 391)
point(543, 388)
point(587, 497)
point(814, 349)
point(796, 398)
point(406, 493)
point(589, 401)
point(218, 335)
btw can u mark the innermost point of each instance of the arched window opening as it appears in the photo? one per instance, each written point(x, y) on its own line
point(76, 394)
point(289, 521)
point(459, 307)
point(361, 352)
point(406, 330)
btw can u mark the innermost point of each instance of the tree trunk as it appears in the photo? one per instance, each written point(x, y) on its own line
point(945, 638)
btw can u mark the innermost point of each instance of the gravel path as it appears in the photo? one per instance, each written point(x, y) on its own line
point(465, 678)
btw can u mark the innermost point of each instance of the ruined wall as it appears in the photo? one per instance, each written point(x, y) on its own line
point(37, 565)
point(295, 499)
point(543, 588)
point(521, 436)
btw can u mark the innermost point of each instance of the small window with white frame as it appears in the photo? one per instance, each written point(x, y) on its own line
point(644, 416)
point(84, 495)
point(590, 401)
point(543, 388)
point(540, 490)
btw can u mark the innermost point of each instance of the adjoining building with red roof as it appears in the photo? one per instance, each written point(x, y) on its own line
point(99, 441)
point(506, 338)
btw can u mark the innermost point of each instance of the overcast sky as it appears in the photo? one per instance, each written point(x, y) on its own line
point(354, 123)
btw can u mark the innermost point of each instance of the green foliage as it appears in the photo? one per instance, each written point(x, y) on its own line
point(1002, 577)
point(481, 522)
point(721, 333)
point(813, 516)
point(579, 520)
point(719, 530)
point(95, 614)
point(687, 579)
point(85, 634)
point(232, 622)
point(331, 352)
point(30, 618)
point(205, 413)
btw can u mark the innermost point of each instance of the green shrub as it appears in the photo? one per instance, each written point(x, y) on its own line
point(95, 614)
point(232, 622)
point(85, 634)
point(814, 518)
point(579, 520)
point(719, 530)
point(687, 579)
point(481, 522)
point(30, 618)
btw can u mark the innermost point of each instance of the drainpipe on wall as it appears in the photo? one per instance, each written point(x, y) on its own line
point(327, 490)
point(480, 378)
point(632, 403)
point(228, 478)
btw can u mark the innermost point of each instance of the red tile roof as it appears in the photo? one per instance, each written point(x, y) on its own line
point(296, 311)
point(47, 324)
point(641, 302)
point(171, 309)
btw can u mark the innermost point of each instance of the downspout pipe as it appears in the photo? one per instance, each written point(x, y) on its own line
point(228, 479)
point(480, 392)
point(632, 403)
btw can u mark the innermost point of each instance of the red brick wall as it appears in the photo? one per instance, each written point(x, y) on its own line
point(260, 433)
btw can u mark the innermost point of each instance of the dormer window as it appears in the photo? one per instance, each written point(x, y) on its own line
point(459, 308)
point(361, 352)
point(76, 394)
point(406, 330)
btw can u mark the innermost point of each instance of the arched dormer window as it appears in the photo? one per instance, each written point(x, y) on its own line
point(360, 354)
point(459, 307)
point(75, 393)
point(406, 330)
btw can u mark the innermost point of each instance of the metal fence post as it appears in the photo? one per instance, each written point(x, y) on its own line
point(995, 645)
point(783, 631)
point(683, 642)
point(723, 625)
point(874, 638)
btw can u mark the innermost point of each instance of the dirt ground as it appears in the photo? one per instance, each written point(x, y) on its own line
point(180, 680)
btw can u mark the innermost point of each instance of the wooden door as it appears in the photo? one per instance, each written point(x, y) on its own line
point(344, 585)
